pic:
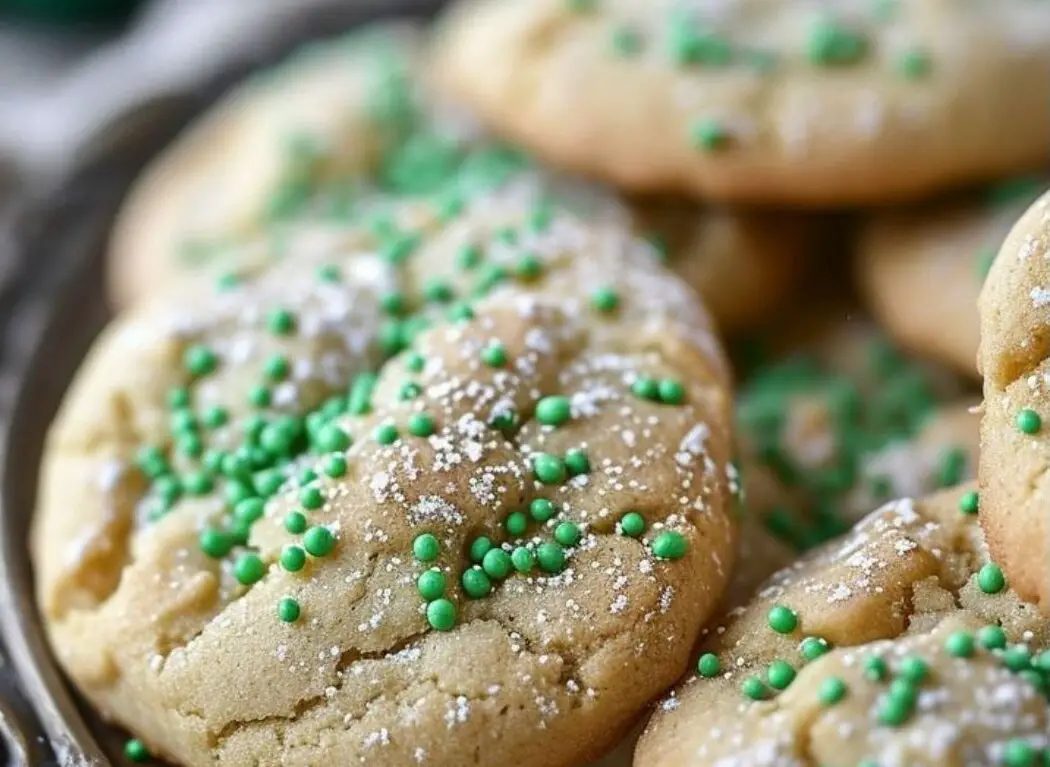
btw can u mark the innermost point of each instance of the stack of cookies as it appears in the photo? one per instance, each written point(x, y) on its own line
point(546, 387)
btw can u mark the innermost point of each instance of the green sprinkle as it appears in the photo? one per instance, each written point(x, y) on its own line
point(409, 391)
point(1029, 421)
point(646, 388)
point(197, 483)
point(248, 569)
point(190, 445)
point(259, 396)
point(549, 469)
point(875, 669)
point(494, 355)
point(1019, 754)
point(280, 322)
point(415, 362)
point(332, 439)
point(468, 257)
point(328, 273)
point(200, 360)
point(497, 564)
point(135, 751)
point(551, 557)
point(334, 466)
point(479, 547)
point(215, 543)
point(832, 690)
point(708, 666)
point(904, 691)
point(420, 425)
point(311, 498)
point(991, 637)
point(780, 674)
point(553, 411)
point(671, 391)
point(914, 64)
point(1017, 658)
point(425, 547)
point(605, 300)
point(541, 509)
point(397, 250)
point(632, 524)
point(516, 523)
point(577, 462)
point(393, 303)
point(754, 688)
point(441, 615)
point(529, 268)
point(960, 644)
point(913, 669)
point(581, 6)
point(708, 135)
point(522, 559)
point(249, 511)
point(461, 313)
point(318, 541)
point(970, 503)
point(893, 713)
point(782, 620)
point(431, 584)
point(476, 583)
point(293, 558)
point(178, 398)
point(277, 367)
point(830, 44)
point(385, 434)
point(295, 523)
point(670, 545)
point(567, 534)
point(227, 281)
point(812, 648)
point(990, 578)
point(952, 466)
point(288, 610)
point(437, 292)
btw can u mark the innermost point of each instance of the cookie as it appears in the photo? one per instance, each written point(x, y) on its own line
point(346, 131)
point(1015, 361)
point(899, 645)
point(805, 104)
point(921, 269)
point(465, 497)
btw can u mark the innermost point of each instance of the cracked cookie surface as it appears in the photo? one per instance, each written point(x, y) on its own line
point(345, 131)
point(463, 497)
point(762, 101)
point(1015, 360)
point(892, 646)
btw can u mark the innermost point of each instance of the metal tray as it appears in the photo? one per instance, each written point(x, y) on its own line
point(59, 308)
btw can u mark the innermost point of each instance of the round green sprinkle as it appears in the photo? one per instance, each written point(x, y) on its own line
point(708, 665)
point(632, 524)
point(1029, 421)
point(754, 688)
point(990, 578)
point(409, 391)
point(425, 547)
point(1018, 754)
point(553, 411)
point(460, 313)
point(479, 547)
point(135, 751)
point(577, 462)
point(277, 367)
point(249, 511)
point(812, 648)
point(468, 257)
point(215, 543)
point(152, 462)
point(1017, 658)
point(385, 434)
point(328, 273)
point(437, 292)
point(522, 559)
point(875, 669)
point(178, 398)
point(646, 388)
point(914, 64)
point(830, 44)
point(183, 421)
point(259, 396)
point(248, 569)
point(200, 360)
point(605, 300)
point(671, 391)
point(782, 620)
point(960, 644)
point(494, 355)
point(306, 476)
point(334, 466)
point(904, 691)
point(293, 558)
point(431, 584)
point(190, 445)
point(708, 135)
point(991, 637)
point(832, 690)
point(670, 544)
point(528, 268)
point(197, 483)
point(541, 509)
point(970, 502)
point(893, 713)
point(420, 425)
point(516, 523)
point(215, 416)
point(280, 322)
point(295, 523)
point(476, 583)
point(567, 534)
point(914, 669)
point(288, 610)
point(318, 541)
point(441, 615)
point(415, 362)
point(497, 564)
point(551, 557)
point(549, 469)
point(311, 498)
point(332, 439)
point(780, 674)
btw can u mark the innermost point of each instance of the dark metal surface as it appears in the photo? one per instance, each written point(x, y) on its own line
point(52, 308)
